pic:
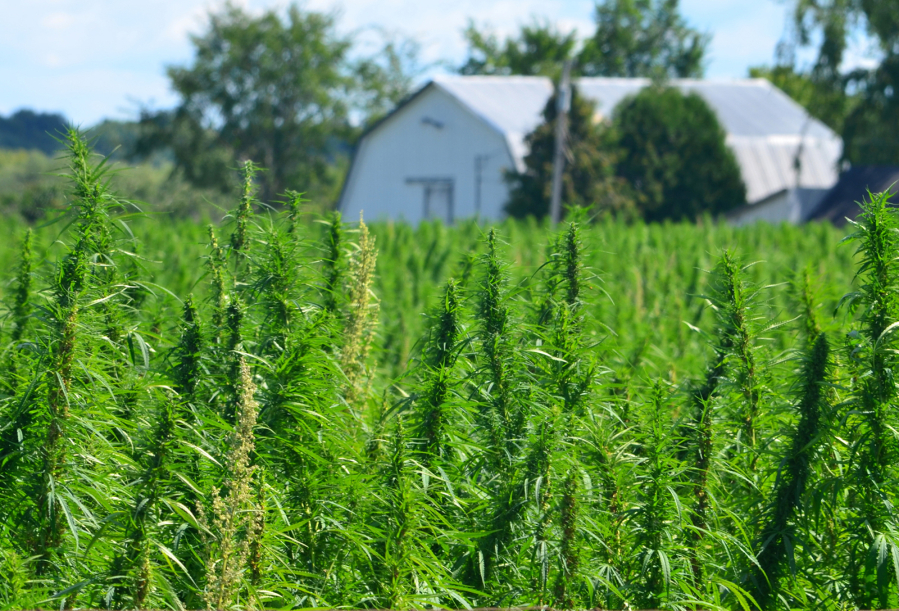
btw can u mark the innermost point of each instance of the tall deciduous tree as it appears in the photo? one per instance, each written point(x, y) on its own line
point(859, 102)
point(647, 38)
point(278, 88)
point(673, 154)
point(539, 49)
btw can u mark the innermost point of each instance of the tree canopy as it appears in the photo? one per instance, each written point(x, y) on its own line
point(539, 49)
point(858, 102)
point(278, 88)
point(633, 38)
point(673, 155)
point(663, 156)
point(648, 38)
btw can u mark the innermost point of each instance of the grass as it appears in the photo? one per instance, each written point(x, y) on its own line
point(279, 411)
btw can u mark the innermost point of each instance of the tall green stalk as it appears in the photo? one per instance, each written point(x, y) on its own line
point(434, 416)
point(499, 412)
point(778, 536)
point(92, 201)
point(14, 423)
point(129, 571)
point(877, 234)
point(654, 519)
point(216, 265)
point(187, 372)
point(332, 262)
point(734, 303)
point(22, 307)
point(569, 547)
point(240, 237)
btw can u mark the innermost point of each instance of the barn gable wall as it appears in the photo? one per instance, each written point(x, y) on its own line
point(432, 137)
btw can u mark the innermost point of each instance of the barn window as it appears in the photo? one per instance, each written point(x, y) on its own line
point(437, 200)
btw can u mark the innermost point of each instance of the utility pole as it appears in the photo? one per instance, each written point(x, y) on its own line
point(479, 162)
point(563, 104)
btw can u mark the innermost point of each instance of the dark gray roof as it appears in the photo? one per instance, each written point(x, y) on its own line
point(842, 201)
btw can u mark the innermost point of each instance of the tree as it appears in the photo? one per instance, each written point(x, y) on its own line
point(539, 49)
point(280, 91)
point(674, 156)
point(646, 38)
point(588, 179)
point(31, 130)
point(859, 103)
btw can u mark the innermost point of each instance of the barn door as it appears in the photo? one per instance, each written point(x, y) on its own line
point(439, 201)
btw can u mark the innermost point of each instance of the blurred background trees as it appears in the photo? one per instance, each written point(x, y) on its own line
point(633, 38)
point(288, 90)
point(662, 156)
point(674, 156)
point(27, 129)
point(538, 50)
point(643, 38)
point(589, 178)
point(858, 102)
point(280, 90)
point(660, 146)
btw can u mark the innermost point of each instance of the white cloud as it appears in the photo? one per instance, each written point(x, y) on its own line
point(58, 21)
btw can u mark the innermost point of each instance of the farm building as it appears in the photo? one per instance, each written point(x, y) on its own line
point(842, 202)
point(443, 152)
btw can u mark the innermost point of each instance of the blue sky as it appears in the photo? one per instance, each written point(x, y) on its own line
point(91, 59)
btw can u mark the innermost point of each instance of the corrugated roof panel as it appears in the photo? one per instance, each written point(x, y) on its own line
point(749, 167)
point(818, 163)
point(755, 108)
point(765, 176)
point(607, 93)
point(510, 103)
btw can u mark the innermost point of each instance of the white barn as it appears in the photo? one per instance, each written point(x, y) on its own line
point(443, 152)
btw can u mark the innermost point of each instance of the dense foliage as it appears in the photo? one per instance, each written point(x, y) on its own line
point(674, 156)
point(281, 87)
point(855, 98)
point(662, 156)
point(257, 414)
point(539, 50)
point(588, 178)
point(31, 189)
point(647, 38)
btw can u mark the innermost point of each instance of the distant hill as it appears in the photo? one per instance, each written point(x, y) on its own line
point(30, 130)
point(114, 138)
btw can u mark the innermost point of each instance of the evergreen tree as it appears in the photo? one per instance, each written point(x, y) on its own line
point(590, 157)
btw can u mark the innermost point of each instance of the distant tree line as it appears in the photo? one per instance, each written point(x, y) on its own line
point(30, 130)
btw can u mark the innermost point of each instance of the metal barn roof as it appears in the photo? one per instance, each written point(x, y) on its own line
point(767, 130)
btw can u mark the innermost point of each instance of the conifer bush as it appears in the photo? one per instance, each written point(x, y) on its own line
point(283, 412)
